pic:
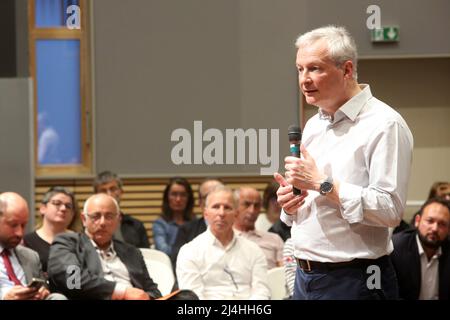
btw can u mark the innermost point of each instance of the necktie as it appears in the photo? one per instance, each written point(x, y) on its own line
point(9, 269)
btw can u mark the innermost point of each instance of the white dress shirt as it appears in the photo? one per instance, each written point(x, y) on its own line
point(367, 147)
point(114, 269)
point(5, 283)
point(429, 284)
point(212, 271)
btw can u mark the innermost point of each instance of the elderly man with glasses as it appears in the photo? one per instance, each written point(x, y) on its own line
point(93, 265)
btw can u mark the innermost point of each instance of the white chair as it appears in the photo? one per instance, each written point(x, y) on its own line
point(160, 269)
point(277, 283)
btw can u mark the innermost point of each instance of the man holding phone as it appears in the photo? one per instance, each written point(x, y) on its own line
point(21, 276)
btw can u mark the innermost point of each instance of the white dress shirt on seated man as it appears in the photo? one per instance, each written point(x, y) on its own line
point(237, 271)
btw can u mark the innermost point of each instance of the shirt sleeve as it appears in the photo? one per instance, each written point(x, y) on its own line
point(287, 218)
point(188, 274)
point(388, 158)
point(160, 237)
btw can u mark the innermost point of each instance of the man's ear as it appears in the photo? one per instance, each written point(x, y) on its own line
point(417, 220)
point(348, 69)
point(83, 219)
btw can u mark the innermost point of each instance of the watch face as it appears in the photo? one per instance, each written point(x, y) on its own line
point(326, 187)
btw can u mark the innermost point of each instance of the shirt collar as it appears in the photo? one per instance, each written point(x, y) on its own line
point(422, 252)
point(351, 108)
point(108, 253)
point(212, 240)
point(250, 232)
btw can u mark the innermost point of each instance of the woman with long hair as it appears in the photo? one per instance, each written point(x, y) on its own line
point(177, 208)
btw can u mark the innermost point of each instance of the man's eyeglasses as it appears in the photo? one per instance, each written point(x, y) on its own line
point(59, 204)
point(96, 216)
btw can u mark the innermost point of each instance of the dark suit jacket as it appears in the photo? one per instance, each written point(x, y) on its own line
point(406, 260)
point(76, 251)
point(187, 232)
point(133, 232)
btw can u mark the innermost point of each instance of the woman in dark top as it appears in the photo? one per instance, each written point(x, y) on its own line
point(59, 212)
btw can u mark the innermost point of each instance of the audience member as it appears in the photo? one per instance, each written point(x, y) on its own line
point(290, 266)
point(249, 207)
point(59, 211)
point(438, 190)
point(131, 230)
point(266, 219)
point(102, 267)
point(218, 264)
point(421, 256)
point(191, 229)
point(177, 209)
point(18, 265)
point(273, 210)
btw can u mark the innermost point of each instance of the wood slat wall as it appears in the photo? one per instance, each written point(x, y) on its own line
point(142, 197)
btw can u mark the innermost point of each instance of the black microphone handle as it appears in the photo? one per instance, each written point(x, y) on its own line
point(295, 152)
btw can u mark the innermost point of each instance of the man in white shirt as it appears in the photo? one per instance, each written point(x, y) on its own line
point(217, 264)
point(421, 256)
point(354, 171)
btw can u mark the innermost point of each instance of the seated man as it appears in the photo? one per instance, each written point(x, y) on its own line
point(18, 264)
point(249, 208)
point(421, 256)
point(219, 265)
point(131, 230)
point(92, 265)
point(189, 230)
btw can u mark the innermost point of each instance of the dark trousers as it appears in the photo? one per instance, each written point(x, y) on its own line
point(348, 283)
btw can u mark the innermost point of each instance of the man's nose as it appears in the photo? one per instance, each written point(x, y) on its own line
point(20, 231)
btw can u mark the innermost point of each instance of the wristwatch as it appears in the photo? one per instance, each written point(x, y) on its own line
point(326, 186)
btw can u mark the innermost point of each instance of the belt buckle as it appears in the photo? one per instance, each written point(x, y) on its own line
point(309, 266)
point(301, 265)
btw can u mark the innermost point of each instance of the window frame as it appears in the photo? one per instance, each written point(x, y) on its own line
point(83, 36)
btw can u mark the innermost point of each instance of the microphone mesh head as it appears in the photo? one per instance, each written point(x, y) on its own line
point(294, 133)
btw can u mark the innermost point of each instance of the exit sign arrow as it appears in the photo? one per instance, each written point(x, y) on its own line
point(385, 34)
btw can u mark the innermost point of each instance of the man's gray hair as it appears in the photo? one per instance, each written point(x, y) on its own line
point(221, 188)
point(341, 45)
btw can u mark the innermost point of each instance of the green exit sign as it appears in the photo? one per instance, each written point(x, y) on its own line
point(385, 34)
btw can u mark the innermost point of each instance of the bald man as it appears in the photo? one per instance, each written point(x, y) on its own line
point(18, 264)
point(249, 207)
point(93, 265)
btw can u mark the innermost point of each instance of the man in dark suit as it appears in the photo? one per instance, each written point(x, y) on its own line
point(421, 256)
point(18, 264)
point(131, 230)
point(188, 231)
point(93, 265)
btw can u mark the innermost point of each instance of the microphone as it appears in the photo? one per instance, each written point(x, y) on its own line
point(295, 138)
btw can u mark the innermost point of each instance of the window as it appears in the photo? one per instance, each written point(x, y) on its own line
point(60, 68)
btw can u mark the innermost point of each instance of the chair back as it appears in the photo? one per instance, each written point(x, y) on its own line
point(277, 283)
point(160, 269)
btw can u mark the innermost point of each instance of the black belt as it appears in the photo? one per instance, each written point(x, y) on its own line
point(308, 265)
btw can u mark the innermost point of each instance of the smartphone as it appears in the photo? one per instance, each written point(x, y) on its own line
point(36, 283)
